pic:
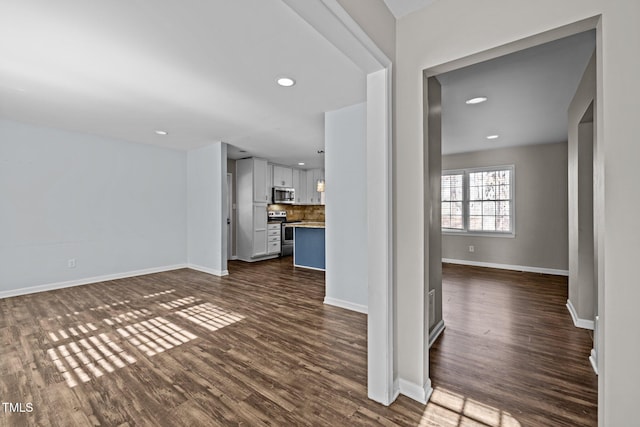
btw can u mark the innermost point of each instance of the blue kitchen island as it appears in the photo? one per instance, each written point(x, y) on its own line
point(308, 245)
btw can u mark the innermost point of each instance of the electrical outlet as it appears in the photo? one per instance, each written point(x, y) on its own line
point(71, 263)
point(472, 248)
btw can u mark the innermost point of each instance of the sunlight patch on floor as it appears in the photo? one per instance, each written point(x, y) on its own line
point(155, 335)
point(449, 409)
point(63, 334)
point(110, 305)
point(127, 317)
point(209, 316)
point(179, 302)
point(94, 356)
point(157, 294)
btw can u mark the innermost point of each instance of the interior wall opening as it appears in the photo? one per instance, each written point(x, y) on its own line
point(500, 187)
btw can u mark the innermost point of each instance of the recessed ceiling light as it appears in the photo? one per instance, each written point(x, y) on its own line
point(162, 132)
point(242, 151)
point(476, 100)
point(286, 81)
point(493, 136)
point(300, 163)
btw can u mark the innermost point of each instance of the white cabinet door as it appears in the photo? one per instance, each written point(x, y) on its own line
point(282, 176)
point(310, 189)
point(260, 193)
point(260, 233)
point(287, 177)
point(300, 185)
point(313, 197)
point(277, 176)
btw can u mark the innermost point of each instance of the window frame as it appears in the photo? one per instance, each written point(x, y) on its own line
point(464, 197)
point(466, 191)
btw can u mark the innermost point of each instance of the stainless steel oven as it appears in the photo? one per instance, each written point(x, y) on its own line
point(286, 231)
point(287, 239)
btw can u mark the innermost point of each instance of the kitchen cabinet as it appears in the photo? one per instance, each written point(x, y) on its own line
point(261, 188)
point(252, 196)
point(313, 197)
point(309, 247)
point(274, 239)
point(282, 176)
point(260, 233)
point(300, 186)
point(269, 179)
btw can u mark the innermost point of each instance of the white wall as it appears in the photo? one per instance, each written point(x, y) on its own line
point(207, 201)
point(376, 20)
point(448, 30)
point(346, 207)
point(114, 206)
point(541, 229)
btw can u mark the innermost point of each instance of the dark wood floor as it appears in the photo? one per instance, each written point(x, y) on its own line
point(510, 344)
point(258, 347)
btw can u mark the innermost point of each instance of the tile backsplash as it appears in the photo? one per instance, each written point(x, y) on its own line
point(313, 213)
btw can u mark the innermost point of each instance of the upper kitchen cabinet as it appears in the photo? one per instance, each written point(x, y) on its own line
point(258, 170)
point(300, 186)
point(282, 176)
point(313, 196)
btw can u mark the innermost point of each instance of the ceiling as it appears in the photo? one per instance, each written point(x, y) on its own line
point(203, 71)
point(528, 96)
point(400, 8)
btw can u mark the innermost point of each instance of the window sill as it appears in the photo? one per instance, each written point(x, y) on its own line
point(478, 234)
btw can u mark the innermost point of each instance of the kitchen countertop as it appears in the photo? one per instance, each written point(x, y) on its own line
point(309, 224)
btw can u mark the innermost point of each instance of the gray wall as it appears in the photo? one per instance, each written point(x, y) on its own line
point(541, 228)
point(582, 261)
point(346, 207)
point(207, 201)
point(112, 205)
point(433, 199)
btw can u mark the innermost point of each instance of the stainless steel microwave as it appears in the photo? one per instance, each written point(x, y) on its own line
point(284, 195)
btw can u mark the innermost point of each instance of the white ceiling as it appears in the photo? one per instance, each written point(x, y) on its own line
point(202, 70)
point(528, 96)
point(400, 8)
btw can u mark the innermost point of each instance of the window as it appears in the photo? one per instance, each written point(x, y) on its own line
point(452, 200)
point(478, 200)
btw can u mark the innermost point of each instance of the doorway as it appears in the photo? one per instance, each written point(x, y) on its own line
point(467, 248)
point(230, 219)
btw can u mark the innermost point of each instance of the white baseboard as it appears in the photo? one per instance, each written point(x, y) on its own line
point(396, 390)
point(233, 257)
point(263, 258)
point(346, 304)
point(593, 360)
point(415, 391)
point(87, 281)
point(308, 268)
point(578, 322)
point(528, 269)
point(436, 332)
point(208, 270)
